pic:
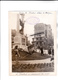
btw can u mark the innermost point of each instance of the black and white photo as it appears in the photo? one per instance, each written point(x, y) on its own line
point(32, 42)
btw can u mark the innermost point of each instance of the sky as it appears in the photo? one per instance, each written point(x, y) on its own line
point(31, 18)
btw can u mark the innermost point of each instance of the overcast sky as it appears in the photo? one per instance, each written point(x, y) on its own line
point(42, 17)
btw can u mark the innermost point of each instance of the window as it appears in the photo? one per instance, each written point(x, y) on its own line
point(46, 33)
point(23, 41)
point(36, 38)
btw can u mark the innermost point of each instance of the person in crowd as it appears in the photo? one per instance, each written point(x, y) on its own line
point(41, 48)
point(53, 51)
point(49, 51)
point(52, 56)
point(17, 51)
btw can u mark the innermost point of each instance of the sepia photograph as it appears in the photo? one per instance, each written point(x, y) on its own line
point(32, 42)
point(29, 0)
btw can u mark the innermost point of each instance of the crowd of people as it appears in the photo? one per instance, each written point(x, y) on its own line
point(50, 52)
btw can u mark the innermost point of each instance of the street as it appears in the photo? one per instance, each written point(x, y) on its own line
point(32, 63)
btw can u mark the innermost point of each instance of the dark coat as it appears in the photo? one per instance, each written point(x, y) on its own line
point(49, 51)
point(41, 50)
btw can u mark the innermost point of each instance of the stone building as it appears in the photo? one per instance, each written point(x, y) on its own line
point(42, 36)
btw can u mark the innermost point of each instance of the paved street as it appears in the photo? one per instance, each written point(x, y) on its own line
point(32, 63)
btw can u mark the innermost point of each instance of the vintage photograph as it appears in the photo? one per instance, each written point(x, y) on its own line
point(32, 42)
point(29, 0)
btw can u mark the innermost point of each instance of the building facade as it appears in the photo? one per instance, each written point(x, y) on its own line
point(42, 36)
